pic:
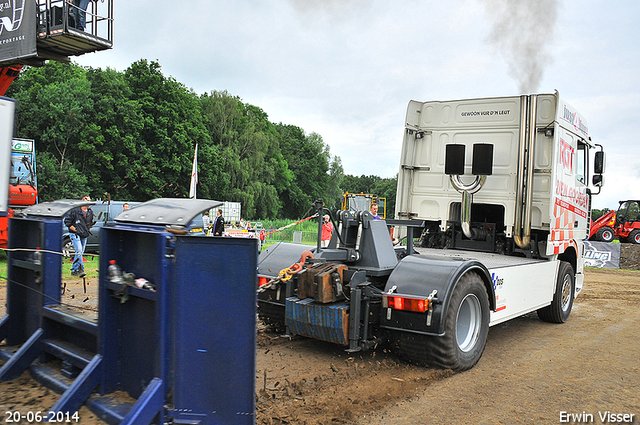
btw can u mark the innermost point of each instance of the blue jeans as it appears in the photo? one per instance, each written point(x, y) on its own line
point(79, 13)
point(79, 245)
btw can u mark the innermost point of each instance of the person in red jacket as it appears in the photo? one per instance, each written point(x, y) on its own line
point(327, 230)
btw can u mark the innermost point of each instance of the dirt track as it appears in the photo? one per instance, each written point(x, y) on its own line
point(531, 371)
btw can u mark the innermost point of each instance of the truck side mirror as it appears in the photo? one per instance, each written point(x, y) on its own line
point(598, 163)
point(598, 180)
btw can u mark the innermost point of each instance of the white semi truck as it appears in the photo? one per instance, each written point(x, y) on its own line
point(498, 191)
point(504, 176)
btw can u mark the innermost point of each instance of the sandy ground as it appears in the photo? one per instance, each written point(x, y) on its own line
point(531, 372)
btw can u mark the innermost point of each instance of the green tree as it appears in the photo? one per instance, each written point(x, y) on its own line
point(54, 183)
point(334, 192)
point(171, 124)
point(131, 135)
point(596, 214)
point(309, 160)
point(55, 109)
point(375, 185)
point(252, 161)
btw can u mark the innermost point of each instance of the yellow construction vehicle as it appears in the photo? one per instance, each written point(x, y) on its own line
point(362, 202)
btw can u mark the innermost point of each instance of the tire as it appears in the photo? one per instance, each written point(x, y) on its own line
point(466, 329)
point(606, 234)
point(67, 248)
point(560, 308)
point(634, 237)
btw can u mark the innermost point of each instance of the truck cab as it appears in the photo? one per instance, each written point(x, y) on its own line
point(523, 161)
point(23, 182)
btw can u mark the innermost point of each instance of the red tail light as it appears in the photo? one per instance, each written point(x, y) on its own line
point(419, 305)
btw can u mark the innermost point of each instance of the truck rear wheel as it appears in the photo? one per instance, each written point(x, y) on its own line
point(634, 237)
point(560, 308)
point(466, 329)
point(606, 234)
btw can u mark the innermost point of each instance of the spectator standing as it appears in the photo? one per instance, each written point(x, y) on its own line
point(206, 223)
point(218, 224)
point(374, 212)
point(79, 222)
point(327, 230)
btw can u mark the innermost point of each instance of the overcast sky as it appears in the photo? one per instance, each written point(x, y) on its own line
point(346, 69)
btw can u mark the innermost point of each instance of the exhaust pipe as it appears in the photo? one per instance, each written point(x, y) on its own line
point(524, 190)
point(481, 167)
point(467, 191)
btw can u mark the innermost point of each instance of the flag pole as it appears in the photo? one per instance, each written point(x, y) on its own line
point(194, 175)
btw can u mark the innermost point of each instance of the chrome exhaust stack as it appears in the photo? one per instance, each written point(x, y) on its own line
point(524, 190)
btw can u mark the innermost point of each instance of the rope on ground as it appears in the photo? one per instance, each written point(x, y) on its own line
point(287, 273)
point(291, 225)
point(33, 250)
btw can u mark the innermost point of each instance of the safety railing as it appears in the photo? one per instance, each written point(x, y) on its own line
point(95, 18)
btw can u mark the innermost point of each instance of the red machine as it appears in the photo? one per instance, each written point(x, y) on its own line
point(602, 228)
point(7, 75)
point(623, 224)
point(23, 184)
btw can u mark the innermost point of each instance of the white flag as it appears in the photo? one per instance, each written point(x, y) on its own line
point(194, 175)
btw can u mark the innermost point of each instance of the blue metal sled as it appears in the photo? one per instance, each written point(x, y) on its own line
point(185, 352)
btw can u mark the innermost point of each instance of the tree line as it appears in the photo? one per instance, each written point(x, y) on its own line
point(131, 136)
point(596, 214)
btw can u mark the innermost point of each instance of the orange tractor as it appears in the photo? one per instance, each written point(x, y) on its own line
point(623, 224)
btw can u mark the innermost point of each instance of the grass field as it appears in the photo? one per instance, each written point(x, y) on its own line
point(90, 267)
point(308, 228)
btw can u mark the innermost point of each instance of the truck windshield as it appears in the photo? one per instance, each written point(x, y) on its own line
point(21, 170)
point(359, 203)
point(629, 211)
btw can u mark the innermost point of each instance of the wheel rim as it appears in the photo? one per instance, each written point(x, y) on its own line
point(566, 292)
point(67, 249)
point(607, 235)
point(468, 323)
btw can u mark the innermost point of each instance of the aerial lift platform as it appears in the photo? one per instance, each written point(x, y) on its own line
point(33, 32)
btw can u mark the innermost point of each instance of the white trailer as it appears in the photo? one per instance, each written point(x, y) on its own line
point(231, 211)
